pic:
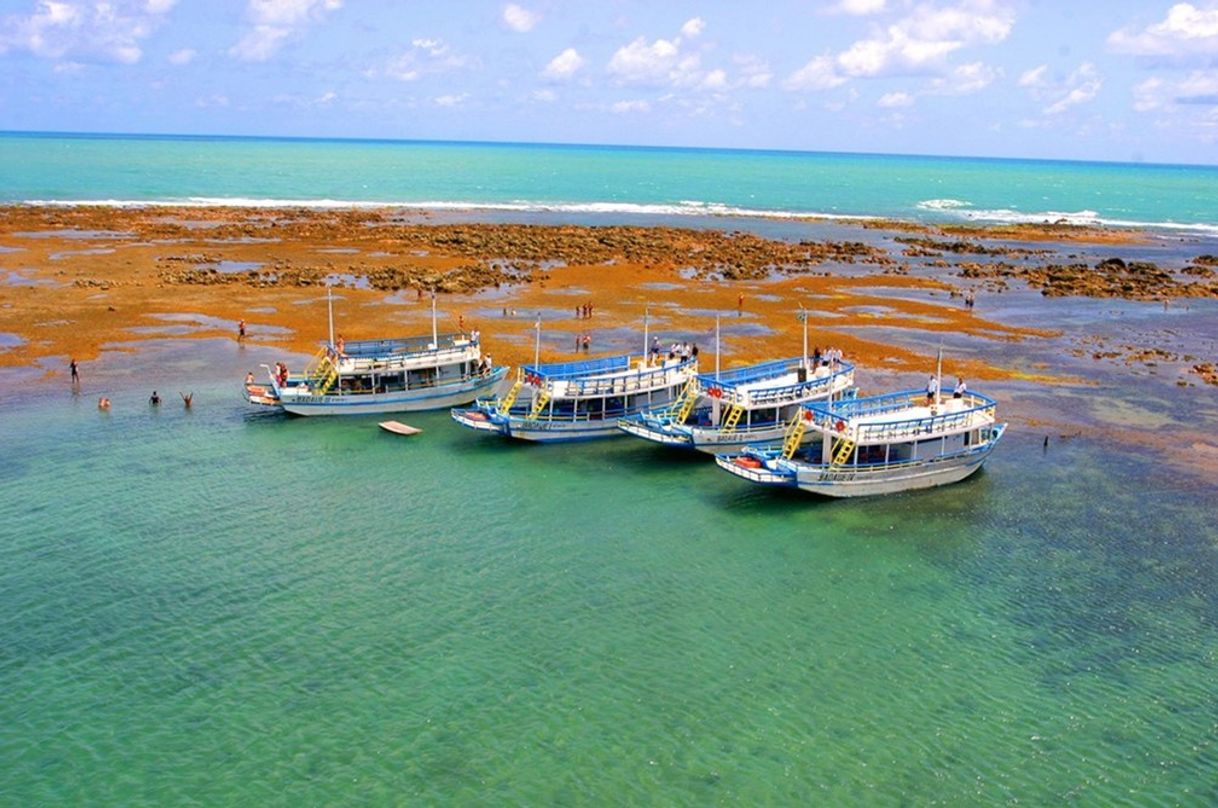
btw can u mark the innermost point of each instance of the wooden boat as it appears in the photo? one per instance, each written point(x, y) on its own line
point(383, 376)
point(878, 445)
point(568, 401)
point(399, 428)
point(742, 407)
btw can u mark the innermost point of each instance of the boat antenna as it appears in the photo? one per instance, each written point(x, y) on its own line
point(717, 347)
point(435, 337)
point(939, 377)
point(803, 318)
point(330, 311)
point(646, 310)
point(537, 343)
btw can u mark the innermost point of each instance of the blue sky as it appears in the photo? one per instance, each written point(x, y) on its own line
point(1119, 80)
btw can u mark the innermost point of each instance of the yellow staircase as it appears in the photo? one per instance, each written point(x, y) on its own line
point(733, 418)
point(323, 375)
point(508, 400)
point(683, 404)
point(539, 403)
point(841, 452)
point(794, 436)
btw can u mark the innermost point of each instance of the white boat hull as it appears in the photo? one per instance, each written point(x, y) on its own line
point(846, 481)
point(429, 398)
point(539, 430)
point(708, 440)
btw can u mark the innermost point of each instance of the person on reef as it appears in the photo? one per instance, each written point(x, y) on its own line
point(240, 330)
point(72, 366)
point(187, 398)
point(154, 399)
point(103, 403)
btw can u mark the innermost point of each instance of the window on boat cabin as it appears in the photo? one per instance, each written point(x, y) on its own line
point(898, 452)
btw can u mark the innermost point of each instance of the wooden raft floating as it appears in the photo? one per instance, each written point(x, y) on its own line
point(398, 428)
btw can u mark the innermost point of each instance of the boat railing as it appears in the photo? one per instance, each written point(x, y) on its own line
point(384, 348)
point(415, 385)
point(637, 381)
point(751, 373)
point(562, 371)
point(348, 364)
point(979, 410)
point(778, 396)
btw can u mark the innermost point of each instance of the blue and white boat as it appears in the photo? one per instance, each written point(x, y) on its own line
point(744, 406)
point(582, 400)
point(383, 376)
point(878, 445)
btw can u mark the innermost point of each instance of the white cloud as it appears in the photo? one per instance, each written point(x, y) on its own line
point(272, 22)
point(325, 99)
point(894, 100)
point(662, 62)
point(643, 62)
point(965, 79)
point(754, 72)
point(1199, 88)
point(926, 37)
point(545, 96)
point(1186, 29)
point(520, 19)
point(426, 56)
point(564, 65)
point(182, 57)
point(860, 7)
point(450, 100)
point(1035, 77)
point(1081, 86)
point(693, 27)
point(108, 29)
point(211, 101)
point(818, 74)
point(622, 107)
point(714, 80)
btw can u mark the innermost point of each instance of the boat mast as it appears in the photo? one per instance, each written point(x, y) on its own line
point(803, 316)
point(939, 377)
point(646, 311)
point(537, 343)
point(716, 347)
point(330, 311)
point(435, 337)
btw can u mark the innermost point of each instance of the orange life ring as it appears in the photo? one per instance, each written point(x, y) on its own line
point(808, 416)
point(715, 392)
point(840, 426)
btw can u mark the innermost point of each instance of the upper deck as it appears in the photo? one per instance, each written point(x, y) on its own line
point(408, 353)
point(774, 384)
point(607, 376)
point(904, 416)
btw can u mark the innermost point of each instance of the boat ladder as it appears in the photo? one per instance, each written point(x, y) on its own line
point(322, 377)
point(539, 403)
point(508, 400)
point(794, 436)
point(683, 405)
point(841, 452)
point(733, 418)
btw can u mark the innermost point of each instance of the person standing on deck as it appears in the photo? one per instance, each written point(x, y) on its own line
point(932, 387)
point(960, 390)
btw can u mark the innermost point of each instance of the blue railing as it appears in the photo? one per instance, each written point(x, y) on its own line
point(584, 367)
point(385, 348)
point(773, 396)
point(828, 415)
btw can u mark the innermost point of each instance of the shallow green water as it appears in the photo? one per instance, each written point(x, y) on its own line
point(231, 609)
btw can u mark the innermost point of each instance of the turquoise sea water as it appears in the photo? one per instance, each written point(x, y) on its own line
point(600, 179)
point(227, 608)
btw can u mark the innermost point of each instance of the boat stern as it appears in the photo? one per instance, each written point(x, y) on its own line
point(481, 418)
point(657, 430)
point(758, 468)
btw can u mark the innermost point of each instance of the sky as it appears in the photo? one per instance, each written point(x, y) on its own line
point(1124, 80)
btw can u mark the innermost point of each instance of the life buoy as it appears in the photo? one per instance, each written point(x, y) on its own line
point(748, 462)
point(840, 426)
point(808, 416)
point(715, 392)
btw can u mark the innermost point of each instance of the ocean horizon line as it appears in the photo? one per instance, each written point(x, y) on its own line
point(576, 146)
